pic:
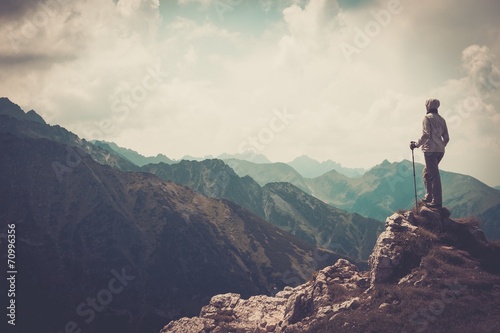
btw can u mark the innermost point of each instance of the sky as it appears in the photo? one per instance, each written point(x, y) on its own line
point(335, 80)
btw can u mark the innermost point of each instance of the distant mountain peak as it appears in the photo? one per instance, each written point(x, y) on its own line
point(311, 168)
point(131, 155)
point(305, 158)
point(8, 108)
point(248, 155)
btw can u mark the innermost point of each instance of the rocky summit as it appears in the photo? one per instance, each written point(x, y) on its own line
point(428, 273)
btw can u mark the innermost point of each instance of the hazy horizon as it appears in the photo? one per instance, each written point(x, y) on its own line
point(334, 80)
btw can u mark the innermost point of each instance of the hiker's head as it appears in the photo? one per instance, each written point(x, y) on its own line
point(432, 104)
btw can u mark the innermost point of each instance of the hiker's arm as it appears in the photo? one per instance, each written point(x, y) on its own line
point(446, 136)
point(426, 132)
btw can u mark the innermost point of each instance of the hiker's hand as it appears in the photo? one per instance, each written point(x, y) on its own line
point(413, 145)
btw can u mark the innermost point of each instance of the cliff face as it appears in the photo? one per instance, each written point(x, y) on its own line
point(428, 273)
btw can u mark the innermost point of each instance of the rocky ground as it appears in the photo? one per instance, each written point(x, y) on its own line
point(428, 273)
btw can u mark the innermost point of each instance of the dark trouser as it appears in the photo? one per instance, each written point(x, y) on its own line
point(432, 179)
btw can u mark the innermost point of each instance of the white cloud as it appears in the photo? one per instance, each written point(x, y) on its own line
point(479, 64)
point(311, 30)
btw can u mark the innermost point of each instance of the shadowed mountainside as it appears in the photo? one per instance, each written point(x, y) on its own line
point(282, 204)
point(212, 178)
point(172, 247)
point(312, 220)
point(30, 125)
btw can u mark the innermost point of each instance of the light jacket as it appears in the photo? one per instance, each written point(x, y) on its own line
point(435, 135)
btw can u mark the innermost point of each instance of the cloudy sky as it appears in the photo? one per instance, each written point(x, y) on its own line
point(333, 79)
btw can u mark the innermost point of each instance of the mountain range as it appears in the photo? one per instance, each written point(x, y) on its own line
point(105, 244)
point(283, 204)
point(30, 125)
point(177, 246)
point(130, 154)
point(215, 179)
point(141, 160)
point(373, 194)
point(303, 165)
point(101, 247)
point(310, 168)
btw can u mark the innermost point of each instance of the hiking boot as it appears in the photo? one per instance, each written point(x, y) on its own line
point(433, 205)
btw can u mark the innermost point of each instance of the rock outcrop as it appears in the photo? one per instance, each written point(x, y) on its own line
point(401, 247)
point(388, 254)
point(299, 309)
point(422, 265)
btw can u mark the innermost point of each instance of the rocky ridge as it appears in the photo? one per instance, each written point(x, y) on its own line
point(15, 121)
point(282, 204)
point(423, 265)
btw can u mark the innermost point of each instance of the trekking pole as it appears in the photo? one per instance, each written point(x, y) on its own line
point(414, 181)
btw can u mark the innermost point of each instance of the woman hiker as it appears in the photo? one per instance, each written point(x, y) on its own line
point(433, 142)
